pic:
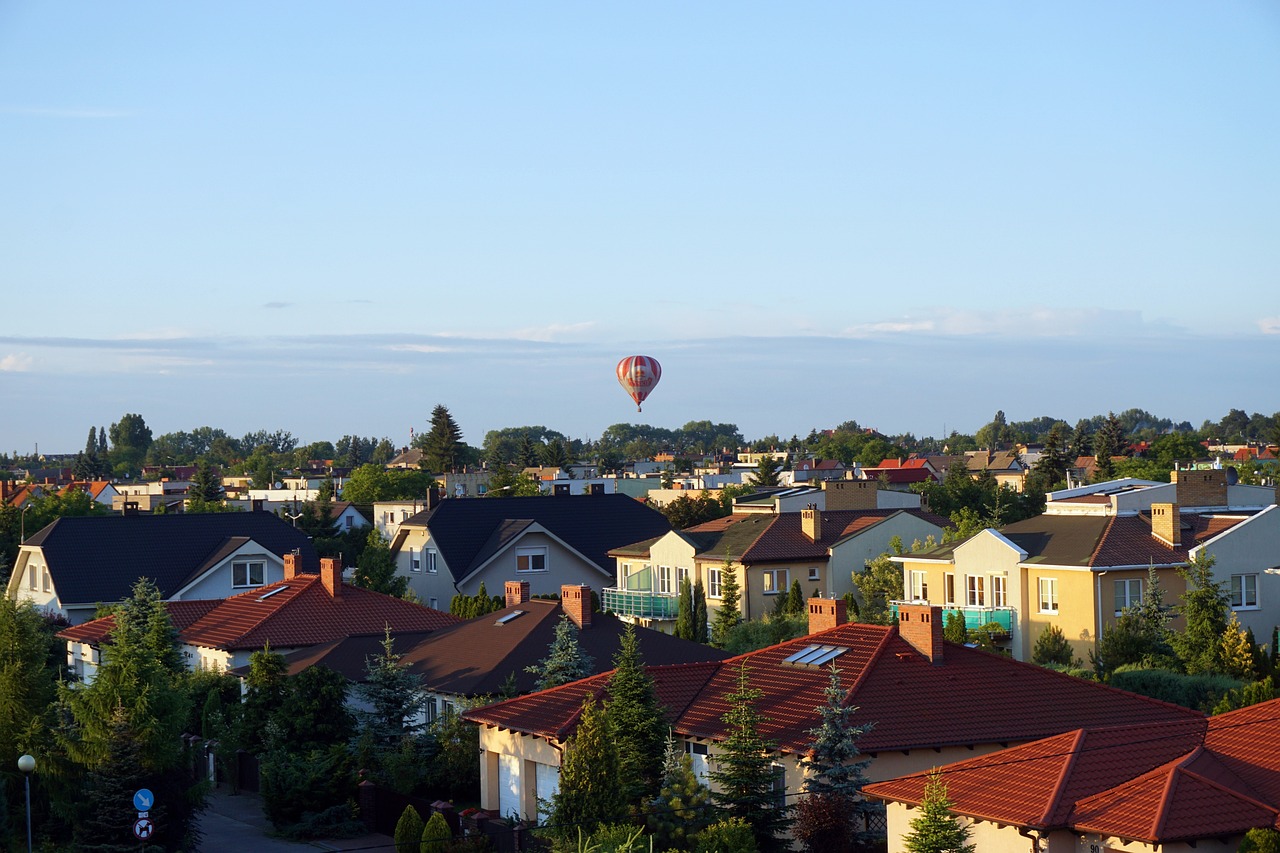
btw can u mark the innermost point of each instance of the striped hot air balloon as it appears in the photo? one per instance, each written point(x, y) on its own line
point(638, 374)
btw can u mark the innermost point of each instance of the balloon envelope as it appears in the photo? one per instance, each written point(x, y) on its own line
point(638, 374)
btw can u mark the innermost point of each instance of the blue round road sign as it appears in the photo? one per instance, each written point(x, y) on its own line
point(143, 800)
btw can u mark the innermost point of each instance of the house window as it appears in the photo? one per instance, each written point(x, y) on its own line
point(1244, 591)
point(415, 562)
point(815, 573)
point(429, 709)
point(1048, 595)
point(433, 603)
point(949, 588)
point(1128, 594)
point(999, 591)
point(977, 591)
point(248, 573)
point(31, 576)
point(682, 575)
point(346, 521)
point(430, 554)
point(919, 586)
point(47, 584)
point(664, 580)
point(713, 583)
point(778, 786)
point(775, 581)
point(529, 560)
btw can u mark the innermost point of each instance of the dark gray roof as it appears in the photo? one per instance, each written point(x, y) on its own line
point(99, 558)
point(468, 531)
point(476, 657)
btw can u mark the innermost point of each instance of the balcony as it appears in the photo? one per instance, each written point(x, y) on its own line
point(640, 603)
point(974, 617)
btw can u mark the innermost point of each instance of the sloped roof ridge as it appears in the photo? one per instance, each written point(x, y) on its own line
point(711, 667)
point(1097, 546)
point(1178, 765)
point(1051, 805)
point(299, 583)
point(889, 633)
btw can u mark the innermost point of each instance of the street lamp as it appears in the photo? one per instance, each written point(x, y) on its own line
point(27, 764)
point(22, 536)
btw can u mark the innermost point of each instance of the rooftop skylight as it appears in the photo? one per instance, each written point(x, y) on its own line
point(815, 656)
point(514, 614)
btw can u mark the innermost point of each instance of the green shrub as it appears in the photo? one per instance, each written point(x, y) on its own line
point(297, 786)
point(1053, 647)
point(409, 829)
point(340, 821)
point(728, 836)
point(1200, 692)
point(436, 834)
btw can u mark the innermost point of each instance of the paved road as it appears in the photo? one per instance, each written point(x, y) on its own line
point(235, 822)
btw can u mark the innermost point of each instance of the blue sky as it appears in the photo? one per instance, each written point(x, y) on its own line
point(327, 218)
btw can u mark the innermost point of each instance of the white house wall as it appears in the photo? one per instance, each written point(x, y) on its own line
point(1252, 548)
point(218, 581)
point(564, 566)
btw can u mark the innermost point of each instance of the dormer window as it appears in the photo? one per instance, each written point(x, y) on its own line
point(248, 573)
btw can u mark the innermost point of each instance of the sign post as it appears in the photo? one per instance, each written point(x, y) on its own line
point(143, 800)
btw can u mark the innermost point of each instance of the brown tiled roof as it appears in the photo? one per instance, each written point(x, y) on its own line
point(289, 614)
point(971, 698)
point(1172, 781)
point(1128, 540)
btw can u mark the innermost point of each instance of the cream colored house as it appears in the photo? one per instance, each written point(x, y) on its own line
point(1087, 557)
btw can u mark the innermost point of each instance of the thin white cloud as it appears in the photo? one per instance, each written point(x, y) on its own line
point(58, 112)
point(276, 304)
point(888, 327)
point(419, 348)
point(554, 332)
point(1269, 325)
point(1029, 322)
point(18, 362)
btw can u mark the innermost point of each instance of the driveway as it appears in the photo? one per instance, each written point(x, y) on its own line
point(235, 822)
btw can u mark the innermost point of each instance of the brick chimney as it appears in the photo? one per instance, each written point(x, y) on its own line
point(292, 565)
point(921, 626)
point(576, 601)
point(1166, 524)
point(811, 522)
point(331, 575)
point(826, 613)
point(850, 494)
point(517, 592)
point(1200, 488)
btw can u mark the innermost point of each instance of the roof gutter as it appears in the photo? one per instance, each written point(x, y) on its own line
point(1034, 839)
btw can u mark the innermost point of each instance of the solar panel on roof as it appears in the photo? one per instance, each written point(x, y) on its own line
point(815, 655)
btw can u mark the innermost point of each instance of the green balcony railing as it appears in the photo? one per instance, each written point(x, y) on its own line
point(974, 617)
point(640, 603)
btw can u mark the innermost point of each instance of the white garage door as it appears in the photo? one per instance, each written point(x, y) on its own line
point(509, 785)
point(548, 787)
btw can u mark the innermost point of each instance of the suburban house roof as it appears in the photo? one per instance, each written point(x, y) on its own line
point(1178, 780)
point(99, 558)
point(1096, 541)
point(971, 697)
point(469, 531)
point(757, 538)
point(477, 657)
point(292, 613)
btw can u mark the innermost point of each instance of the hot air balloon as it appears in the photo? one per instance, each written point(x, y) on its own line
point(638, 374)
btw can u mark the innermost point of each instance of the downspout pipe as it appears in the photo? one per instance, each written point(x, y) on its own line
point(1034, 839)
point(1097, 640)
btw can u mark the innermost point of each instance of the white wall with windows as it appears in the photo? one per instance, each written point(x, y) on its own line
point(1247, 564)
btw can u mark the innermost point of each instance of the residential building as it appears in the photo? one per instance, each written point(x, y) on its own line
point(74, 564)
point(548, 541)
point(927, 702)
point(1174, 786)
point(491, 654)
point(821, 549)
point(1087, 557)
point(300, 611)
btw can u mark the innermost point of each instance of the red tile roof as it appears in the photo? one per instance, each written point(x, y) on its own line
point(1172, 781)
point(971, 698)
point(289, 614)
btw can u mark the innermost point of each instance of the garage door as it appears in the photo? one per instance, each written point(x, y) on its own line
point(509, 785)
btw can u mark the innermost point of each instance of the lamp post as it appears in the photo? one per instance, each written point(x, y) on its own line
point(27, 764)
point(22, 523)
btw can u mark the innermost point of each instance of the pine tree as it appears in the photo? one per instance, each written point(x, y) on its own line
point(443, 442)
point(590, 787)
point(955, 630)
point(1081, 443)
point(700, 622)
point(206, 487)
point(1204, 609)
point(1051, 467)
point(1107, 442)
point(795, 599)
point(436, 835)
point(392, 694)
point(1234, 652)
point(313, 712)
point(636, 720)
point(834, 816)
point(1053, 648)
point(684, 612)
point(565, 661)
point(744, 771)
point(766, 473)
point(729, 616)
point(408, 835)
point(264, 691)
point(935, 829)
point(683, 806)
